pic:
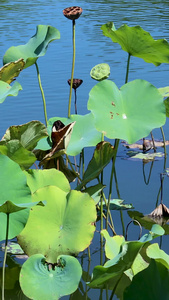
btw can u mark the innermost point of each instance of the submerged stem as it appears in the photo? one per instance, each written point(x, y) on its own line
point(73, 66)
point(5, 255)
point(42, 93)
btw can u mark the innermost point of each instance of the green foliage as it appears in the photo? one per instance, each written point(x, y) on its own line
point(19, 141)
point(39, 282)
point(10, 71)
point(120, 113)
point(14, 191)
point(65, 225)
point(138, 42)
point(7, 90)
point(35, 47)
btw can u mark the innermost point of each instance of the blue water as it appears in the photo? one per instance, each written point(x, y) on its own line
point(18, 20)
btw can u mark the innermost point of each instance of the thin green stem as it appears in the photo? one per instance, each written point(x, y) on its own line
point(165, 151)
point(111, 178)
point(72, 74)
point(5, 255)
point(101, 222)
point(127, 71)
point(42, 93)
point(77, 175)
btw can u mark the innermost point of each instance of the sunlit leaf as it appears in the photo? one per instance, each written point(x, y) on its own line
point(123, 115)
point(13, 188)
point(7, 90)
point(10, 71)
point(118, 204)
point(35, 47)
point(40, 178)
point(84, 133)
point(113, 244)
point(153, 251)
point(28, 134)
point(65, 225)
point(138, 42)
point(40, 282)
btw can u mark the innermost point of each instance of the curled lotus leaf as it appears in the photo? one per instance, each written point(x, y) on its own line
point(36, 46)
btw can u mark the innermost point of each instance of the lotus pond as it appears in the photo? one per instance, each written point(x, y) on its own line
point(84, 171)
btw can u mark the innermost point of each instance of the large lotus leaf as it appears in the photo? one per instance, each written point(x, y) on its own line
point(102, 155)
point(138, 42)
point(7, 90)
point(37, 179)
point(28, 134)
point(64, 226)
point(15, 151)
point(39, 282)
point(10, 71)
point(13, 188)
point(152, 284)
point(129, 113)
point(84, 133)
point(35, 47)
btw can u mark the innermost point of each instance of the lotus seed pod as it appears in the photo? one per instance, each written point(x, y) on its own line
point(100, 72)
point(76, 83)
point(72, 12)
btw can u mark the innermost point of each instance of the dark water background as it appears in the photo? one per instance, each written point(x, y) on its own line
point(18, 21)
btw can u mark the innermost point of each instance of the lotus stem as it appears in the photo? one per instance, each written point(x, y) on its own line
point(101, 222)
point(162, 132)
point(42, 93)
point(73, 66)
point(127, 71)
point(116, 144)
point(5, 255)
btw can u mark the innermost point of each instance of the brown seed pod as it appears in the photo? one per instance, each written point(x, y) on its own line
point(76, 83)
point(72, 12)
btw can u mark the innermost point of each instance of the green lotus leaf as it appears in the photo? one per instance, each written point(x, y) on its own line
point(13, 188)
point(129, 113)
point(84, 133)
point(147, 156)
point(100, 72)
point(28, 134)
point(153, 251)
point(7, 90)
point(118, 204)
point(102, 155)
point(152, 283)
point(138, 42)
point(166, 102)
point(8, 207)
point(113, 244)
point(39, 282)
point(36, 46)
point(40, 178)
point(15, 151)
point(94, 191)
point(164, 91)
point(10, 71)
point(147, 221)
point(65, 225)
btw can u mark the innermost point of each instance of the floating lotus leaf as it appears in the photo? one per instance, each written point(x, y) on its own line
point(138, 42)
point(129, 113)
point(39, 282)
point(13, 188)
point(102, 155)
point(84, 133)
point(118, 204)
point(35, 47)
point(100, 72)
point(7, 90)
point(40, 178)
point(10, 71)
point(65, 225)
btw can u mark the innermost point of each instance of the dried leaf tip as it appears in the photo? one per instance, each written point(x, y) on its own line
point(72, 12)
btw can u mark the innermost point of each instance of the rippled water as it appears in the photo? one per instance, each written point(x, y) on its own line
point(18, 21)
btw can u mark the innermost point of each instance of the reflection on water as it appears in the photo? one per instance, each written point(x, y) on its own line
point(18, 23)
